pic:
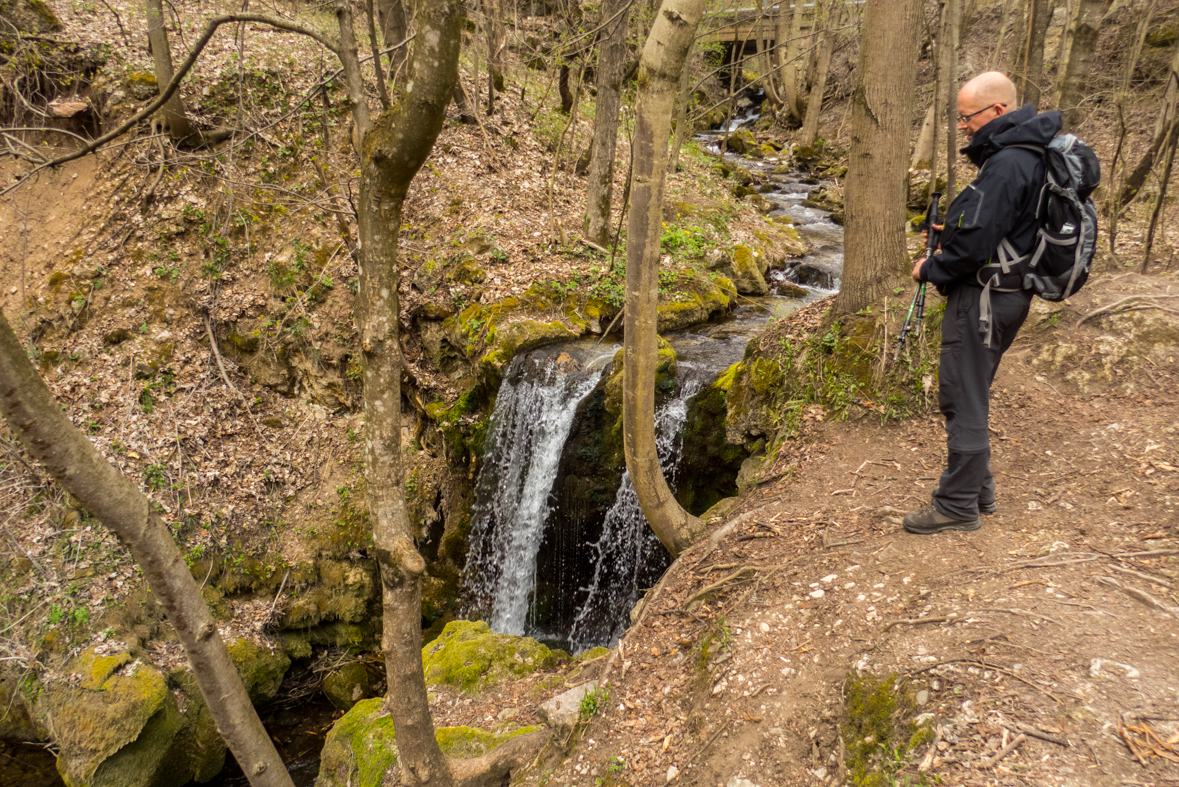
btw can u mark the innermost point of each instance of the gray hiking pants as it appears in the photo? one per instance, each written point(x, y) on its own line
point(964, 393)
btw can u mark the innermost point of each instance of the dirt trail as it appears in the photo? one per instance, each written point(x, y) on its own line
point(1058, 619)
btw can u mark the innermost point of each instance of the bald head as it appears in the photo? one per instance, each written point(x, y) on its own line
point(992, 87)
point(983, 99)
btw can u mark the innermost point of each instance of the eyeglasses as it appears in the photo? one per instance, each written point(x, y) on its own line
point(966, 118)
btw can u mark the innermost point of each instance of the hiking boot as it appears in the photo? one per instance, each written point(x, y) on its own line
point(928, 520)
point(987, 508)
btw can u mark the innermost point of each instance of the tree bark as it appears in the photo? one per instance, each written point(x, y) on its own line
point(790, 76)
point(1078, 54)
point(608, 79)
point(681, 113)
point(495, 47)
point(1008, 12)
point(952, 11)
point(45, 430)
point(667, 46)
point(180, 129)
point(1032, 59)
point(814, 106)
point(875, 196)
point(394, 30)
point(393, 149)
point(1163, 127)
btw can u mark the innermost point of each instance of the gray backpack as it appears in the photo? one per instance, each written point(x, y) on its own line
point(1058, 264)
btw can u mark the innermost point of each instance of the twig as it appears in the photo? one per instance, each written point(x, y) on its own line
point(225, 376)
point(993, 761)
point(916, 622)
point(1139, 302)
point(1140, 595)
point(278, 595)
point(718, 585)
point(1035, 732)
point(988, 665)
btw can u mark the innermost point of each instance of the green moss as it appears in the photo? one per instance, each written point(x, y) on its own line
point(469, 656)
point(878, 729)
point(261, 670)
point(362, 747)
point(468, 742)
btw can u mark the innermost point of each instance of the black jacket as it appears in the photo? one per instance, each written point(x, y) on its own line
point(1000, 203)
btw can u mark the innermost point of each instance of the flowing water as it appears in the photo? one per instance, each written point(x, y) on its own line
point(534, 411)
point(545, 559)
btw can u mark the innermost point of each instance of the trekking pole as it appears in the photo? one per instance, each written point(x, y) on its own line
point(918, 304)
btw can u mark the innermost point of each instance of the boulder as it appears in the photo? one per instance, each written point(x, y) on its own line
point(468, 655)
point(260, 668)
point(741, 141)
point(120, 726)
point(348, 685)
point(743, 266)
point(562, 712)
point(361, 746)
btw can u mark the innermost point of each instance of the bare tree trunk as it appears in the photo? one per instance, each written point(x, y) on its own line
point(495, 47)
point(790, 75)
point(1160, 199)
point(1032, 59)
point(1009, 9)
point(608, 78)
point(923, 150)
point(952, 12)
point(681, 113)
point(68, 456)
point(564, 90)
point(875, 187)
point(667, 46)
point(810, 125)
point(768, 82)
point(394, 30)
point(1163, 129)
point(1012, 58)
point(1078, 55)
point(394, 147)
point(180, 129)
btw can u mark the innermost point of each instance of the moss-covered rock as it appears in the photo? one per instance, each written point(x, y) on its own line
point(744, 266)
point(118, 726)
point(468, 655)
point(752, 384)
point(261, 669)
point(348, 685)
point(742, 141)
point(362, 747)
point(708, 456)
point(701, 299)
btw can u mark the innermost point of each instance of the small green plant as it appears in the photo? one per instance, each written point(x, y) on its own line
point(593, 702)
point(156, 476)
point(168, 272)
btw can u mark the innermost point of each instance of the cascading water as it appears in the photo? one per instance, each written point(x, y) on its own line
point(627, 558)
point(558, 549)
point(533, 413)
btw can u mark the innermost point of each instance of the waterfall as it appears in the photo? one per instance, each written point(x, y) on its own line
point(627, 557)
point(533, 415)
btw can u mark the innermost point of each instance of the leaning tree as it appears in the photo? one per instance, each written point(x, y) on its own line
point(663, 57)
point(393, 147)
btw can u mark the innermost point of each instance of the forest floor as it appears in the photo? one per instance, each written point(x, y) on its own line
point(1041, 649)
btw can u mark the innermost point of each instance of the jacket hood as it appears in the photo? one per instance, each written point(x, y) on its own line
point(1021, 127)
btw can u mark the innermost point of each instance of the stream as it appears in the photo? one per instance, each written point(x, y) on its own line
point(553, 554)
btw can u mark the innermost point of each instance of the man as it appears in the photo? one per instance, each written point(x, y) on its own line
point(999, 205)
